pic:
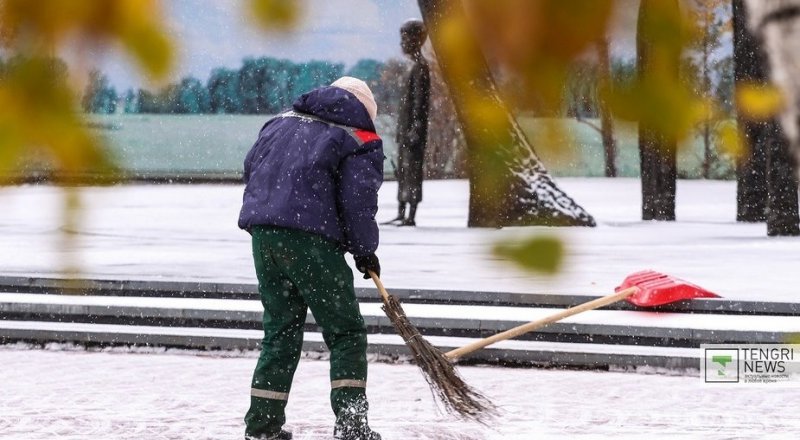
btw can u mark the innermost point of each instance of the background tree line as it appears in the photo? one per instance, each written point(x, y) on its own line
point(268, 85)
point(260, 86)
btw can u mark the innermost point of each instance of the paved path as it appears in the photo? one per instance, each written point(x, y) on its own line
point(72, 395)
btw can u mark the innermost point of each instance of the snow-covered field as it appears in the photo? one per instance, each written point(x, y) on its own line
point(188, 232)
point(69, 393)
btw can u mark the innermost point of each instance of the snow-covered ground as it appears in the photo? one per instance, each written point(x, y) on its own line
point(71, 394)
point(185, 232)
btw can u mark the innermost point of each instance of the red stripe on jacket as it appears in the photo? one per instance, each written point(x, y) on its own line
point(367, 136)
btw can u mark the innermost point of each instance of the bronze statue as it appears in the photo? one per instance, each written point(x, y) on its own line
point(412, 124)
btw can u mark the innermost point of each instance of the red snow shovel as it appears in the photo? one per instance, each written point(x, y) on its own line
point(646, 288)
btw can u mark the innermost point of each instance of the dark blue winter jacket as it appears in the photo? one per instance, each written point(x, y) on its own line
point(317, 169)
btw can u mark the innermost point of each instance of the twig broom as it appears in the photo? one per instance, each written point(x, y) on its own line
point(445, 382)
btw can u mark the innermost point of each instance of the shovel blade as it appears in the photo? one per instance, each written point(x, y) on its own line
point(656, 288)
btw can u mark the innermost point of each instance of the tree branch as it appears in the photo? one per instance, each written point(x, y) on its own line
point(589, 123)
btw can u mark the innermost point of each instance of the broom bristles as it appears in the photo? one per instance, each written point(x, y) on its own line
point(446, 384)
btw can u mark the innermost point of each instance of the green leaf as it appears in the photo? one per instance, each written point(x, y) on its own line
point(538, 254)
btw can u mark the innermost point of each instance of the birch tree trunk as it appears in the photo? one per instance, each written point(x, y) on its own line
point(776, 27)
point(777, 23)
point(509, 185)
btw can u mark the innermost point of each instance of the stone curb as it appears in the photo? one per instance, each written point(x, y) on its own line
point(473, 328)
point(605, 359)
point(191, 289)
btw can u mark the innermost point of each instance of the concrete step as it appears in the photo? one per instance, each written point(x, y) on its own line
point(616, 327)
point(206, 290)
point(528, 353)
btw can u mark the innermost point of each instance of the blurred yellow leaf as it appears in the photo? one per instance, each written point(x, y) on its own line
point(540, 254)
point(455, 35)
point(659, 99)
point(41, 22)
point(759, 102)
point(45, 133)
point(44, 25)
point(484, 114)
point(538, 40)
point(668, 107)
point(45, 129)
point(524, 33)
point(152, 50)
point(730, 139)
point(71, 222)
point(280, 14)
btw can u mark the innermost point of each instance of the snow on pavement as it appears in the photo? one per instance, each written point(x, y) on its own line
point(65, 392)
point(188, 232)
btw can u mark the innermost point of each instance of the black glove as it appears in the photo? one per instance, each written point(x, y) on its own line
point(367, 263)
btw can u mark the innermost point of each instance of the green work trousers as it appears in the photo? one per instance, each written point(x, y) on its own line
point(298, 271)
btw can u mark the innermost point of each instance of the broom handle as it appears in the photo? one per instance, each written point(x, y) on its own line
point(533, 325)
point(379, 285)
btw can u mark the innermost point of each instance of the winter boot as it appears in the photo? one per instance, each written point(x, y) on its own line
point(283, 435)
point(401, 215)
point(350, 406)
point(411, 215)
point(354, 429)
point(395, 221)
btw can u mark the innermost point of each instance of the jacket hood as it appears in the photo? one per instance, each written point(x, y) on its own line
point(335, 105)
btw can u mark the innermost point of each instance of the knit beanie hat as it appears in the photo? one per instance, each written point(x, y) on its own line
point(362, 92)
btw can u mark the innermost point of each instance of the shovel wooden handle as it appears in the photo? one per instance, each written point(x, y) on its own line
point(379, 285)
point(533, 325)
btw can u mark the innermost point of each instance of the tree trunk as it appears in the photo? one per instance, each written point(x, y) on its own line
point(706, 149)
point(782, 208)
point(509, 185)
point(706, 78)
point(751, 166)
point(781, 181)
point(777, 25)
point(657, 151)
point(606, 120)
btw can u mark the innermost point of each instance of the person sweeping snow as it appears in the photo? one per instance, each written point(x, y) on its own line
point(311, 194)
